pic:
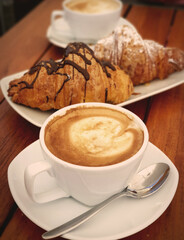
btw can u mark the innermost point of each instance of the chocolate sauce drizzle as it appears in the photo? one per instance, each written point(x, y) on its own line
point(52, 67)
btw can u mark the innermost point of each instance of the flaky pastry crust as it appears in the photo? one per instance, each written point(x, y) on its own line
point(78, 77)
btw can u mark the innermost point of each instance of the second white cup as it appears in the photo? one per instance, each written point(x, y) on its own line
point(89, 20)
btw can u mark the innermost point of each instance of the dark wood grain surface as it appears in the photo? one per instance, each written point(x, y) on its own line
point(25, 44)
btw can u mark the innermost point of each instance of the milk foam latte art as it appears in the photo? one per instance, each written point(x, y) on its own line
point(93, 136)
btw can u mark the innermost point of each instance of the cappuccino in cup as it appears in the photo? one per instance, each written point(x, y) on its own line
point(88, 20)
point(92, 6)
point(91, 149)
point(93, 136)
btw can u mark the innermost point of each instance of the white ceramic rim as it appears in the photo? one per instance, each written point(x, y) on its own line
point(119, 9)
point(62, 111)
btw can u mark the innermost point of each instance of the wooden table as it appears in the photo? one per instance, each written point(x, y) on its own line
point(26, 44)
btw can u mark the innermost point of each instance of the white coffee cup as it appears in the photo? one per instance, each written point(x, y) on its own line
point(87, 27)
point(89, 185)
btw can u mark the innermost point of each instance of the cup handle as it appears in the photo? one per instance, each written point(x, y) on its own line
point(56, 13)
point(30, 174)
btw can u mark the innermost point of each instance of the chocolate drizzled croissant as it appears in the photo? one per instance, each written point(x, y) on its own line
point(78, 77)
point(143, 60)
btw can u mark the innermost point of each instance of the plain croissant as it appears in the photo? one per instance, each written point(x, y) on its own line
point(78, 77)
point(142, 60)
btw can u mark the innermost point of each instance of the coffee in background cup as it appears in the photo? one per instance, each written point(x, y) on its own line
point(100, 149)
point(92, 6)
point(89, 20)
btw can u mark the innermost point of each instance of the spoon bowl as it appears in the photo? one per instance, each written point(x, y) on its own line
point(143, 184)
point(148, 181)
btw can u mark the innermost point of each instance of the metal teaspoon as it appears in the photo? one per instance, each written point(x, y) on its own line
point(143, 184)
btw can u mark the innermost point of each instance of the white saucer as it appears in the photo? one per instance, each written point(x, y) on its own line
point(63, 35)
point(122, 218)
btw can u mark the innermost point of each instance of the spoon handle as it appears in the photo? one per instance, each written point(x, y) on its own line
point(68, 226)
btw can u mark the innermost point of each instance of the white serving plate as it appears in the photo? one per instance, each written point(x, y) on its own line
point(37, 117)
